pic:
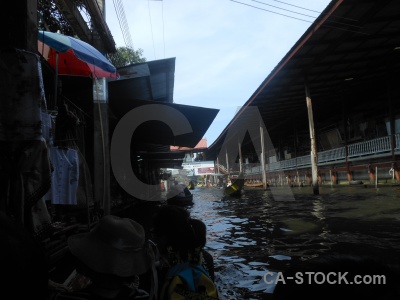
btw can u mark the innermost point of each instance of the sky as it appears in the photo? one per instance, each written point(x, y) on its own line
point(223, 49)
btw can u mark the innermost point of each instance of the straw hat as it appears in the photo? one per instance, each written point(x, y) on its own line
point(115, 246)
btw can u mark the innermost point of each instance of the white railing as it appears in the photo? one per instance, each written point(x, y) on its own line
point(372, 147)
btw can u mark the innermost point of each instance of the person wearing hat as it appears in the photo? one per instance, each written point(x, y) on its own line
point(109, 261)
point(180, 238)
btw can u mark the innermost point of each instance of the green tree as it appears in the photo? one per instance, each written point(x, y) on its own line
point(50, 18)
point(126, 56)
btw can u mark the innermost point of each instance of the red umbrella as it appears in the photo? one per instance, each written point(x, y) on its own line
point(71, 56)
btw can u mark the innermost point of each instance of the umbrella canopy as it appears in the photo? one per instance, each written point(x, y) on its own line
point(71, 56)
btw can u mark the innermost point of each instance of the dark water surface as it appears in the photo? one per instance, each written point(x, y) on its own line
point(267, 230)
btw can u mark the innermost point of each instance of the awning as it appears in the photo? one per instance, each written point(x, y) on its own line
point(156, 132)
point(152, 83)
point(172, 160)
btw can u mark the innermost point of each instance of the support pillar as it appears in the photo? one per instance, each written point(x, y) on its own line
point(396, 172)
point(334, 177)
point(227, 162)
point(371, 174)
point(314, 157)
point(349, 174)
point(240, 158)
point(264, 175)
point(308, 179)
point(319, 178)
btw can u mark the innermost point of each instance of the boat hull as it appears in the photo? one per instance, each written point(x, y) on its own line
point(235, 189)
point(253, 184)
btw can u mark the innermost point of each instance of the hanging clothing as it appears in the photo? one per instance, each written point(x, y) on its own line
point(48, 127)
point(25, 176)
point(64, 179)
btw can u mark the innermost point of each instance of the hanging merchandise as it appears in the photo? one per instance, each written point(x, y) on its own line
point(65, 176)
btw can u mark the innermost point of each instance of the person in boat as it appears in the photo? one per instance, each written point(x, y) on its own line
point(109, 261)
point(330, 267)
point(183, 190)
point(179, 238)
point(191, 185)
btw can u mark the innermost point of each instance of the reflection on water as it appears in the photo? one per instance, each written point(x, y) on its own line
point(266, 230)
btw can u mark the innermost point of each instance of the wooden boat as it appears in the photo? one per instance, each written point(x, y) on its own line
point(235, 189)
point(181, 200)
point(191, 185)
point(254, 184)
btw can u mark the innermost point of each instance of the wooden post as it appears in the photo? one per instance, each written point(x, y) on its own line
point(227, 162)
point(314, 157)
point(334, 178)
point(396, 171)
point(240, 158)
point(101, 153)
point(308, 179)
point(371, 174)
point(264, 175)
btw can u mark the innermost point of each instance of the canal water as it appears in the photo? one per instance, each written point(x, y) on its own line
point(267, 230)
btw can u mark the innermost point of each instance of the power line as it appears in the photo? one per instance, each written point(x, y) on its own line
point(284, 9)
point(324, 25)
point(151, 28)
point(318, 12)
point(297, 6)
point(274, 12)
point(162, 11)
point(119, 9)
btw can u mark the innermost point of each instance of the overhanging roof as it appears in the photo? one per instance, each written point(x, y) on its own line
point(152, 83)
point(202, 145)
point(151, 80)
point(156, 132)
point(172, 160)
point(351, 39)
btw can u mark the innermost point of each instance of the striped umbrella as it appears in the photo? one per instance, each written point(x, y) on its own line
point(71, 56)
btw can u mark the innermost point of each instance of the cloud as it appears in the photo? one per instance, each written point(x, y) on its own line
point(224, 50)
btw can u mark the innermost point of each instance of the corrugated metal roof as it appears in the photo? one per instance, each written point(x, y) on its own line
point(350, 39)
point(152, 80)
point(156, 87)
point(156, 132)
